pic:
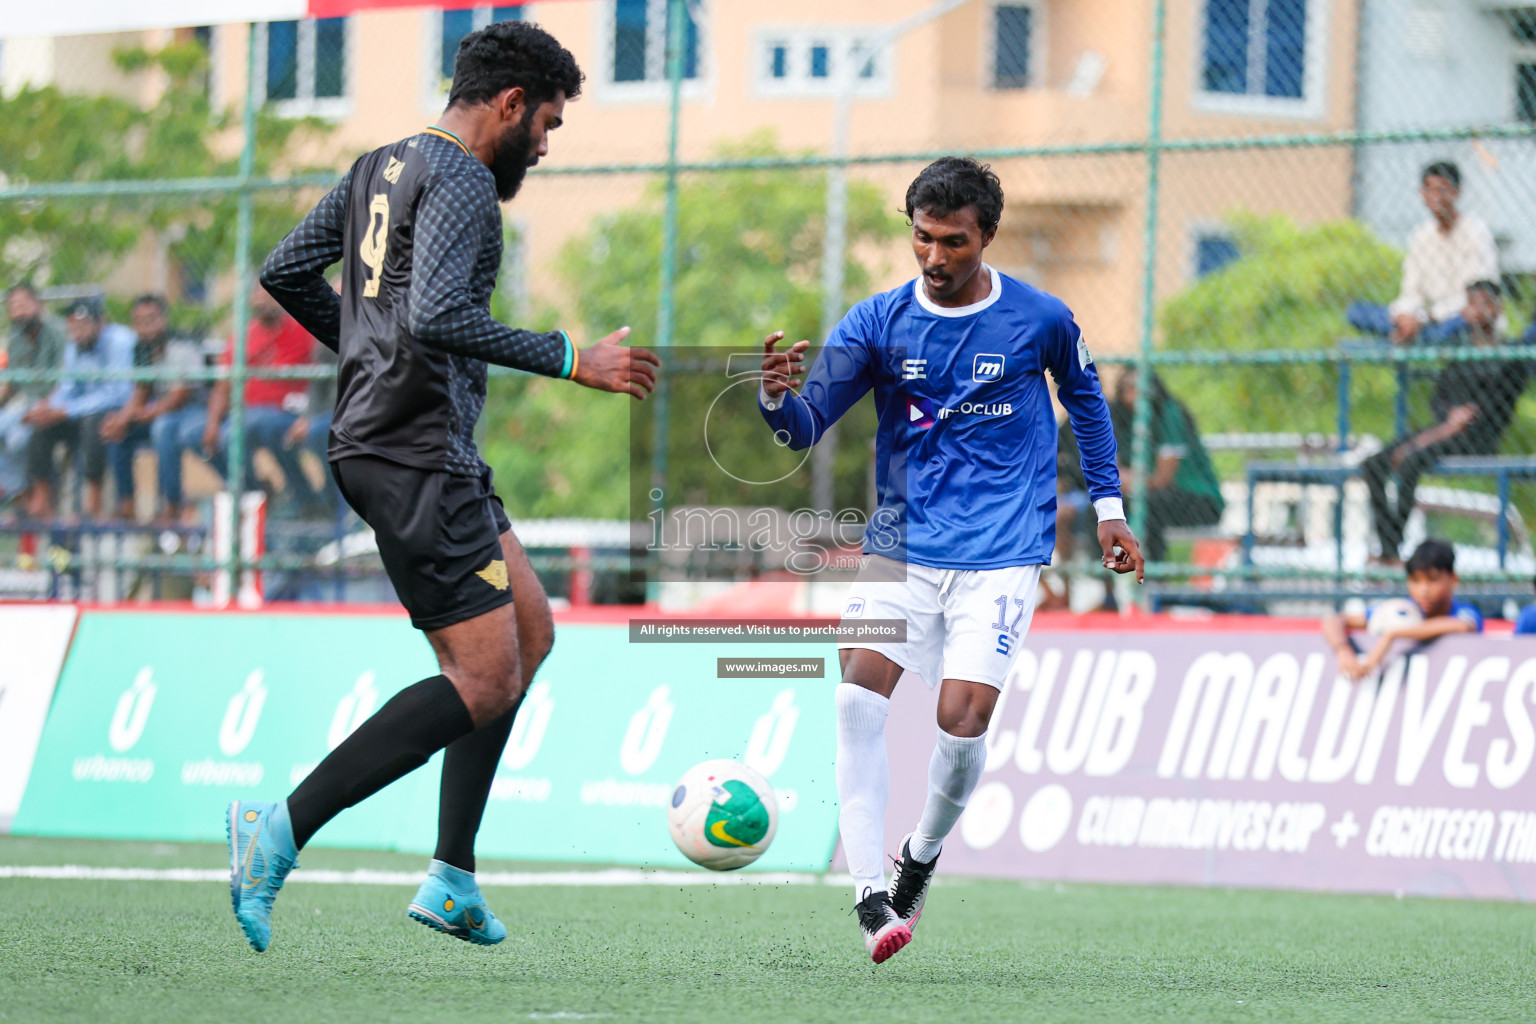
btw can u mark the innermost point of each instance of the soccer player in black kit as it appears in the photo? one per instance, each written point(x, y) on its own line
point(419, 226)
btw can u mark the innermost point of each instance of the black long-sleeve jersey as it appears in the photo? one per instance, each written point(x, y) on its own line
point(420, 227)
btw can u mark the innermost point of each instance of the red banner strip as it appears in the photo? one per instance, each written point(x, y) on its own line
point(339, 8)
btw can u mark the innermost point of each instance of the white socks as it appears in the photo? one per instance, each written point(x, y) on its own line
point(953, 772)
point(863, 783)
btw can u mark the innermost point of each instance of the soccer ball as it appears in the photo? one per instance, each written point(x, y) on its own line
point(1392, 613)
point(723, 815)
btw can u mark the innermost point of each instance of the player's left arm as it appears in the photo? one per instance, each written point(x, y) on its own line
point(1077, 385)
point(456, 219)
point(294, 272)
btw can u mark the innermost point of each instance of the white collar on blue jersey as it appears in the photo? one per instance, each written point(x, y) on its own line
point(975, 307)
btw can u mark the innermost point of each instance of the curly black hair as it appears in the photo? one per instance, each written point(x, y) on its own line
point(508, 54)
point(952, 183)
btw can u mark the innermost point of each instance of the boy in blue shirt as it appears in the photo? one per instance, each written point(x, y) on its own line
point(1431, 586)
point(966, 470)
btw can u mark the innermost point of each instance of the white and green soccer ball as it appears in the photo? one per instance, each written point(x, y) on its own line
point(723, 815)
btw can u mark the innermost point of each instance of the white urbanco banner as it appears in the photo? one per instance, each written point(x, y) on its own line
point(87, 17)
point(33, 640)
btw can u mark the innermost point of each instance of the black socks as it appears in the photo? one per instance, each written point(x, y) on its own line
point(412, 725)
point(469, 768)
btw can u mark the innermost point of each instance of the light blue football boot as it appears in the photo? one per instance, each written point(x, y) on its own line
point(261, 853)
point(450, 901)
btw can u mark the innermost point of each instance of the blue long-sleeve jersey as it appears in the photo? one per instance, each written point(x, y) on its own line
point(966, 445)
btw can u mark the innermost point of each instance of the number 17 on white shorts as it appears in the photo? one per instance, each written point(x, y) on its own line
point(963, 624)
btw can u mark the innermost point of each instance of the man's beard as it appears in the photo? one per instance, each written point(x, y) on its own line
point(514, 155)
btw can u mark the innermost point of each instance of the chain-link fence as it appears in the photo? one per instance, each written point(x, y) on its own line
point(1308, 371)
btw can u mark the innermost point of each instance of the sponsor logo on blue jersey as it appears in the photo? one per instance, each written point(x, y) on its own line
point(977, 409)
point(921, 412)
point(987, 368)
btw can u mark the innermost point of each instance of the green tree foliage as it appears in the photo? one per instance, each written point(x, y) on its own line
point(47, 135)
point(749, 262)
point(1288, 290)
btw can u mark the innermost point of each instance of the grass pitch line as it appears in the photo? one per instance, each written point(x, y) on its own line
point(514, 879)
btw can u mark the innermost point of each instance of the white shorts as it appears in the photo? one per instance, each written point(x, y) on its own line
point(961, 623)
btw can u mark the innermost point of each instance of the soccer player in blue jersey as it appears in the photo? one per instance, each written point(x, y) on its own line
point(966, 470)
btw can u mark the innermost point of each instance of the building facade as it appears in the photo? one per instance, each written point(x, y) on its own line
point(990, 74)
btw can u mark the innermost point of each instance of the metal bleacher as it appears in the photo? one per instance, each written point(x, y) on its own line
point(1332, 462)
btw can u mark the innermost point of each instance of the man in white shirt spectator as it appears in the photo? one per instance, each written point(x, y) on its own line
point(1445, 254)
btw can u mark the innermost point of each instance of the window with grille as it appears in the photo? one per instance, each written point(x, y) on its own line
point(1013, 40)
point(639, 42)
point(1213, 251)
point(455, 25)
point(1257, 50)
point(1525, 92)
point(304, 63)
point(778, 61)
point(810, 62)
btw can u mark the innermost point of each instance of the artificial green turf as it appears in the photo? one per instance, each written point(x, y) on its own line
point(986, 951)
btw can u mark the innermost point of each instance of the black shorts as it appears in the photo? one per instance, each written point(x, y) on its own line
point(439, 536)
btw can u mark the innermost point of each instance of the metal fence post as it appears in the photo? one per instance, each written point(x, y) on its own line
point(666, 304)
point(244, 228)
point(1141, 434)
point(1345, 376)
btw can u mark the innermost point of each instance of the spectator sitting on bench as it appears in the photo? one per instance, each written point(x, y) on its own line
point(1183, 489)
point(273, 338)
point(36, 342)
point(1445, 254)
point(154, 403)
point(76, 411)
point(1431, 586)
point(1473, 403)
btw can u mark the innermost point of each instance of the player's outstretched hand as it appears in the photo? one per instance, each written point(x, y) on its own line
point(1122, 553)
point(610, 366)
point(781, 370)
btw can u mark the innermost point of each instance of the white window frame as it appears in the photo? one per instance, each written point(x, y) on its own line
point(1038, 54)
point(434, 94)
point(799, 40)
point(306, 104)
point(1314, 75)
point(654, 87)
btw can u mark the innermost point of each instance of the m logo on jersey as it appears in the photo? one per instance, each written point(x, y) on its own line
point(988, 367)
point(920, 413)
